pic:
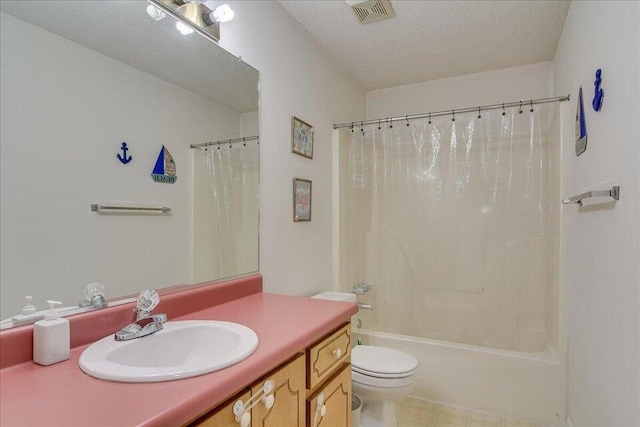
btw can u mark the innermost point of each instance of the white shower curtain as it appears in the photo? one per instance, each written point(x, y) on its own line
point(455, 224)
point(225, 211)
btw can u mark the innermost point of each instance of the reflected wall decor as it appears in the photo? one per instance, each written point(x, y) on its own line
point(301, 200)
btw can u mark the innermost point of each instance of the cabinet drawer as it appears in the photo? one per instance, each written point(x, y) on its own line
point(336, 398)
point(222, 416)
point(326, 356)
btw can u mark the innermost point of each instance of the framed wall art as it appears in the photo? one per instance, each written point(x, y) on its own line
point(301, 138)
point(301, 200)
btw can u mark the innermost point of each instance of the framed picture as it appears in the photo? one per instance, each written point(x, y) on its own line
point(301, 138)
point(301, 200)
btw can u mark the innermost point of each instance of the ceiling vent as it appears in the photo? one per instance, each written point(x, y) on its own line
point(371, 10)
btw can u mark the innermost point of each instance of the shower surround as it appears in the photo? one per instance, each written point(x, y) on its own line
point(455, 224)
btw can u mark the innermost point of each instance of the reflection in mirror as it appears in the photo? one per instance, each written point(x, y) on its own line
point(79, 79)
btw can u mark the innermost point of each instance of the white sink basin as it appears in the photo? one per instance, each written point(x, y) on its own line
point(182, 349)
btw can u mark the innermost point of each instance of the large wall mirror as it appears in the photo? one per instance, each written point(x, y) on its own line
point(79, 79)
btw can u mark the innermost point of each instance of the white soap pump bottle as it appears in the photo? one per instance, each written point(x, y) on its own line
point(51, 338)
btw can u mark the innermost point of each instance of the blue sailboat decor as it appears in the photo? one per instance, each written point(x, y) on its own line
point(165, 168)
point(581, 126)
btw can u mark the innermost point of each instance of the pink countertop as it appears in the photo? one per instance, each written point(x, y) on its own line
point(62, 395)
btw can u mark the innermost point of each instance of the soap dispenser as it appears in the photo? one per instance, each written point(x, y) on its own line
point(29, 308)
point(51, 338)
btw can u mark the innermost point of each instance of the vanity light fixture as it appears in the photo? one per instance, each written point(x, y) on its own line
point(183, 28)
point(222, 14)
point(192, 15)
point(155, 13)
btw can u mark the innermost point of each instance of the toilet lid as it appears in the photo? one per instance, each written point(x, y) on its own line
point(382, 361)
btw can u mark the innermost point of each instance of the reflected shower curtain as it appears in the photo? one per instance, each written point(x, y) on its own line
point(455, 224)
point(225, 211)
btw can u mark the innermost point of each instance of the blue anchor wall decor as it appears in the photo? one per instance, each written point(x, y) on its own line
point(124, 158)
point(599, 92)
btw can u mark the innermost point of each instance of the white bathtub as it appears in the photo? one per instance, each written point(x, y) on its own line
point(528, 386)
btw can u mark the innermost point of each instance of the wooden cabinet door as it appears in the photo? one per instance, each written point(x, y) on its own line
point(223, 416)
point(289, 393)
point(336, 395)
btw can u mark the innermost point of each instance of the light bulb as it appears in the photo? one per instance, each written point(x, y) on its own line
point(223, 13)
point(183, 28)
point(155, 13)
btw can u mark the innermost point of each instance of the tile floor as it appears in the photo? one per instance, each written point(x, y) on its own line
point(421, 413)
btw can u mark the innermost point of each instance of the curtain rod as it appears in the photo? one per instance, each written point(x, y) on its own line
point(479, 109)
point(226, 141)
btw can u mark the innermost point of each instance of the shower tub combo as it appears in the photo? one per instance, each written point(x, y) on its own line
point(455, 224)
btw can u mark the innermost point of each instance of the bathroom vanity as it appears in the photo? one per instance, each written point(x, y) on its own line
point(312, 387)
point(304, 349)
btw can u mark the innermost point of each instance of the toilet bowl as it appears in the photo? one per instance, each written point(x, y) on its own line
point(381, 377)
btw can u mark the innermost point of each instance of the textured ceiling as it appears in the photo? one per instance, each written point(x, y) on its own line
point(123, 31)
point(434, 39)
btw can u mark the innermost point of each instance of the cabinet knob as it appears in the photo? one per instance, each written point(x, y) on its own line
point(337, 353)
point(321, 409)
point(268, 401)
point(245, 420)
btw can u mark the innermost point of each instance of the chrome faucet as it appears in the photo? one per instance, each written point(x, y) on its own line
point(144, 323)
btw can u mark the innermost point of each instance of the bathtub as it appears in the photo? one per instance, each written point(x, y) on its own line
point(529, 386)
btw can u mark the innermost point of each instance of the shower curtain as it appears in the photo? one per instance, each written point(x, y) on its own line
point(225, 211)
point(455, 224)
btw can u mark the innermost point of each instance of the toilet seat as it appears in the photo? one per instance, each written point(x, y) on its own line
point(382, 363)
point(367, 380)
point(379, 375)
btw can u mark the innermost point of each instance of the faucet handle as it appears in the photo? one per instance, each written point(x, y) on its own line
point(147, 300)
point(361, 288)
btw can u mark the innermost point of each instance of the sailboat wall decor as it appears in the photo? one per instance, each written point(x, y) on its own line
point(165, 169)
point(581, 126)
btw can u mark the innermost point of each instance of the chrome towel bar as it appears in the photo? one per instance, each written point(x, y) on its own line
point(99, 208)
point(614, 193)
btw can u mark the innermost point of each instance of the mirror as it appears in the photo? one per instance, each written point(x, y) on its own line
point(78, 81)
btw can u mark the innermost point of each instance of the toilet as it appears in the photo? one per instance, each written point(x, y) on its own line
point(380, 376)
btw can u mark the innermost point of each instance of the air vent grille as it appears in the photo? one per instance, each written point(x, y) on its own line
point(371, 10)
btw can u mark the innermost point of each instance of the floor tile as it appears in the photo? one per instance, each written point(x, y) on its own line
point(423, 413)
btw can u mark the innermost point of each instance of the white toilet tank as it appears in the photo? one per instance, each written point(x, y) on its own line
point(336, 296)
point(339, 296)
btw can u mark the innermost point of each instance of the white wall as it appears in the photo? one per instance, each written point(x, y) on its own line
point(603, 245)
point(491, 87)
point(65, 111)
point(297, 77)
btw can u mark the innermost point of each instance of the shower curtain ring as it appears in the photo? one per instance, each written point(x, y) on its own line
point(361, 127)
point(379, 124)
point(520, 110)
point(244, 141)
point(531, 110)
point(429, 118)
point(351, 127)
point(229, 143)
point(453, 113)
point(218, 144)
point(391, 125)
point(407, 119)
point(503, 112)
point(479, 115)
